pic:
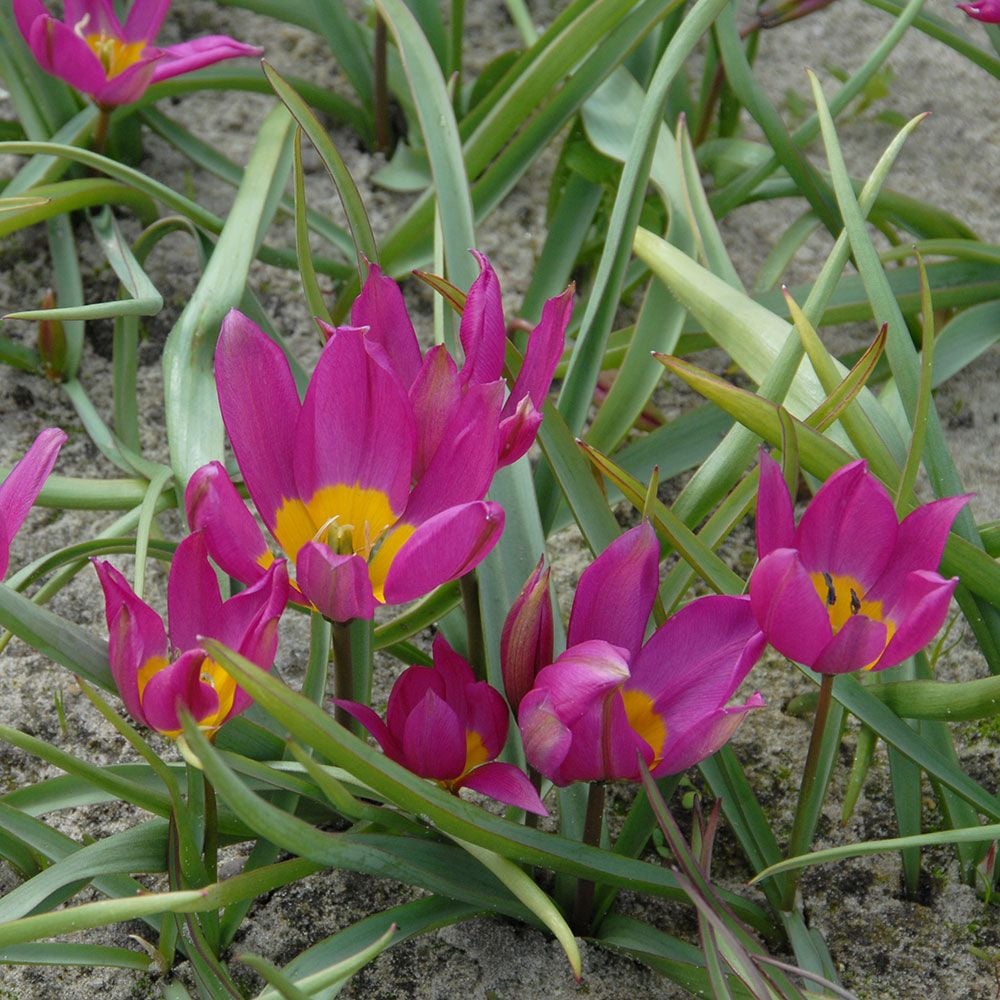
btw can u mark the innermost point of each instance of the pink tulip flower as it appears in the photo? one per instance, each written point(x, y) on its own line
point(984, 10)
point(372, 486)
point(155, 675)
point(114, 63)
point(611, 699)
point(849, 587)
point(23, 484)
point(443, 724)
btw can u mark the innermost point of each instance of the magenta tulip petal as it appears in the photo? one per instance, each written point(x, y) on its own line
point(338, 586)
point(775, 516)
point(482, 330)
point(129, 85)
point(545, 348)
point(408, 692)
point(381, 308)
point(616, 592)
point(919, 613)
point(486, 715)
point(435, 395)
point(362, 408)
point(145, 18)
point(63, 53)
point(135, 635)
point(858, 643)
point(444, 548)
point(505, 783)
point(919, 545)
point(518, 432)
point(199, 52)
point(260, 408)
point(26, 12)
point(24, 482)
point(215, 508)
point(850, 526)
point(697, 659)
point(178, 684)
point(986, 10)
point(434, 740)
point(787, 607)
point(690, 746)
point(547, 740)
point(375, 726)
point(463, 465)
point(581, 676)
point(194, 606)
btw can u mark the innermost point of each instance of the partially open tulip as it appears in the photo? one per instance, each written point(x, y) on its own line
point(443, 724)
point(373, 485)
point(984, 10)
point(611, 699)
point(155, 675)
point(23, 484)
point(114, 62)
point(849, 587)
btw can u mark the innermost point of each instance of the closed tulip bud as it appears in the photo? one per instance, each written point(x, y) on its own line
point(52, 343)
point(526, 640)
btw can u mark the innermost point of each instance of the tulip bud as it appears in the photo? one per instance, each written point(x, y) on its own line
point(527, 637)
point(52, 342)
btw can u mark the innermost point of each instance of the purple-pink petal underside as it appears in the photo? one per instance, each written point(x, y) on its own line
point(453, 673)
point(357, 425)
point(920, 543)
point(260, 408)
point(546, 738)
point(505, 783)
point(145, 17)
point(486, 714)
point(582, 677)
point(444, 548)
point(215, 508)
point(694, 662)
point(919, 613)
point(787, 607)
point(131, 83)
point(381, 308)
point(338, 586)
point(482, 330)
point(434, 395)
point(775, 516)
point(378, 729)
point(24, 482)
point(199, 52)
point(433, 740)
point(194, 605)
point(408, 691)
point(26, 12)
point(616, 591)
point(518, 432)
point(135, 635)
point(849, 528)
point(63, 53)
point(859, 642)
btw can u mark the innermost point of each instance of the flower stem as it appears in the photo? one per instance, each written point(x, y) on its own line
point(593, 824)
point(100, 139)
point(803, 826)
point(469, 585)
point(343, 669)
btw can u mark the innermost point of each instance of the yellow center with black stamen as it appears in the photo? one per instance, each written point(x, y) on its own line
point(844, 597)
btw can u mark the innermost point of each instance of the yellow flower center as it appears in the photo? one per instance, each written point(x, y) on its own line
point(844, 597)
point(647, 722)
point(212, 674)
point(115, 55)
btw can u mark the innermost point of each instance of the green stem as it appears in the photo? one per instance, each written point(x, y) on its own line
point(802, 832)
point(382, 132)
point(593, 824)
point(100, 139)
point(211, 841)
point(343, 669)
point(469, 585)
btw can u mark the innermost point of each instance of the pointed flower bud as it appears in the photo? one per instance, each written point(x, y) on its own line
point(526, 641)
point(52, 343)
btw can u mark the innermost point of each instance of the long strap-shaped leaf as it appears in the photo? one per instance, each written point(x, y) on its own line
point(194, 424)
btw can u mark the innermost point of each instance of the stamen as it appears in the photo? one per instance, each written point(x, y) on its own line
point(80, 27)
point(855, 602)
point(831, 591)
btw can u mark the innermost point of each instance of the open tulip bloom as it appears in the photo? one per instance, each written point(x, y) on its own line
point(849, 587)
point(373, 485)
point(94, 52)
point(155, 675)
point(23, 484)
point(610, 698)
point(985, 10)
point(443, 724)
